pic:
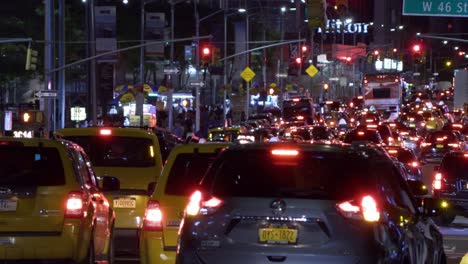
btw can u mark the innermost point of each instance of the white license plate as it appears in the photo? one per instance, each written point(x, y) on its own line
point(125, 203)
point(8, 205)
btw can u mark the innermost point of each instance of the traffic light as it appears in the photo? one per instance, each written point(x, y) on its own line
point(31, 59)
point(206, 54)
point(216, 56)
point(316, 13)
point(298, 60)
point(416, 48)
point(304, 49)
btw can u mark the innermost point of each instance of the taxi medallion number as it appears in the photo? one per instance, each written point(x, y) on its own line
point(125, 203)
point(8, 205)
point(439, 146)
point(277, 235)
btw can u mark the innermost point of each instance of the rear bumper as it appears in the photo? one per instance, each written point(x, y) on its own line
point(458, 201)
point(63, 245)
point(153, 249)
point(229, 256)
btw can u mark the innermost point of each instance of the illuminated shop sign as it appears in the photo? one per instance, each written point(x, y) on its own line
point(338, 26)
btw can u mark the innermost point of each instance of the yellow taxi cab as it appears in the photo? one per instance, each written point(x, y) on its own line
point(133, 156)
point(51, 206)
point(433, 120)
point(230, 134)
point(184, 168)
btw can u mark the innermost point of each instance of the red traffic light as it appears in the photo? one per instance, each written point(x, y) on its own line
point(298, 60)
point(304, 48)
point(417, 48)
point(206, 51)
point(376, 52)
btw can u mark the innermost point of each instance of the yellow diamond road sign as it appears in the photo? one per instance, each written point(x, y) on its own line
point(311, 70)
point(247, 74)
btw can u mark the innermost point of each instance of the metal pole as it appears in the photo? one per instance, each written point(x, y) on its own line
point(92, 52)
point(197, 61)
point(48, 62)
point(142, 53)
point(171, 62)
point(225, 68)
point(247, 92)
point(61, 62)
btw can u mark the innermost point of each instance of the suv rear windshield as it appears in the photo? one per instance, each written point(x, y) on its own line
point(313, 175)
point(454, 167)
point(30, 166)
point(187, 171)
point(113, 151)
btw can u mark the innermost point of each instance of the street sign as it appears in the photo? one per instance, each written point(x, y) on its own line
point(450, 8)
point(197, 83)
point(247, 74)
point(46, 94)
point(171, 70)
point(311, 70)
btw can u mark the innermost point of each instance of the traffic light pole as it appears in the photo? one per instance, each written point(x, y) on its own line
point(48, 63)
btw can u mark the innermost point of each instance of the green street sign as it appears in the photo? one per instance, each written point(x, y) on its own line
point(450, 8)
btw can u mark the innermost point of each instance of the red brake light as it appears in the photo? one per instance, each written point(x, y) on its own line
point(367, 210)
point(300, 118)
point(392, 151)
point(285, 152)
point(105, 132)
point(360, 133)
point(425, 144)
point(414, 164)
point(153, 217)
point(437, 184)
point(454, 145)
point(74, 206)
point(197, 206)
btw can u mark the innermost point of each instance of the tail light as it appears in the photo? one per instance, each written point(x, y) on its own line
point(422, 124)
point(437, 184)
point(75, 205)
point(197, 205)
point(153, 217)
point(425, 144)
point(414, 164)
point(367, 210)
point(300, 118)
point(454, 145)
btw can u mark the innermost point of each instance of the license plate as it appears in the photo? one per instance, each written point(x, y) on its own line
point(8, 205)
point(125, 203)
point(440, 146)
point(277, 235)
point(412, 125)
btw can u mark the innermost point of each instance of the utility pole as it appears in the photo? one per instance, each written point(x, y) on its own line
point(197, 61)
point(142, 60)
point(48, 64)
point(61, 61)
point(92, 70)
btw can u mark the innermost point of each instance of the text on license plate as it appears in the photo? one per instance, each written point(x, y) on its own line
point(280, 235)
point(8, 205)
point(440, 146)
point(125, 203)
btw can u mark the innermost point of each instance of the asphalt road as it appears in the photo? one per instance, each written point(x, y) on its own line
point(456, 234)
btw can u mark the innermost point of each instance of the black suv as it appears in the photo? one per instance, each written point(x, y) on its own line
point(451, 183)
point(304, 203)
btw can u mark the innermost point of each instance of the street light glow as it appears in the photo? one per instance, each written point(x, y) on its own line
point(401, 27)
point(125, 2)
point(456, 47)
point(283, 9)
point(242, 10)
point(445, 42)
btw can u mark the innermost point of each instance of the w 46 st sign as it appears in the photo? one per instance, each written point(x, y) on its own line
point(451, 8)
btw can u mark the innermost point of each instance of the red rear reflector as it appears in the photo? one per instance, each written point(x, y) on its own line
point(74, 205)
point(285, 152)
point(153, 217)
point(105, 132)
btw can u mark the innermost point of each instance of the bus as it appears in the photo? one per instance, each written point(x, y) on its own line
point(383, 91)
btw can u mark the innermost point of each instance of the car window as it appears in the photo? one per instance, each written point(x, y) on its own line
point(397, 191)
point(30, 166)
point(454, 167)
point(186, 172)
point(114, 151)
point(257, 173)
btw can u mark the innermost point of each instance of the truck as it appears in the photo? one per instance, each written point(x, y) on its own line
point(460, 86)
point(383, 91)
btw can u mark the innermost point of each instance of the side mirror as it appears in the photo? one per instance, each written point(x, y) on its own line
point(110, 183)
point(417, 187)
point(432, 206)
point(151, 188)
